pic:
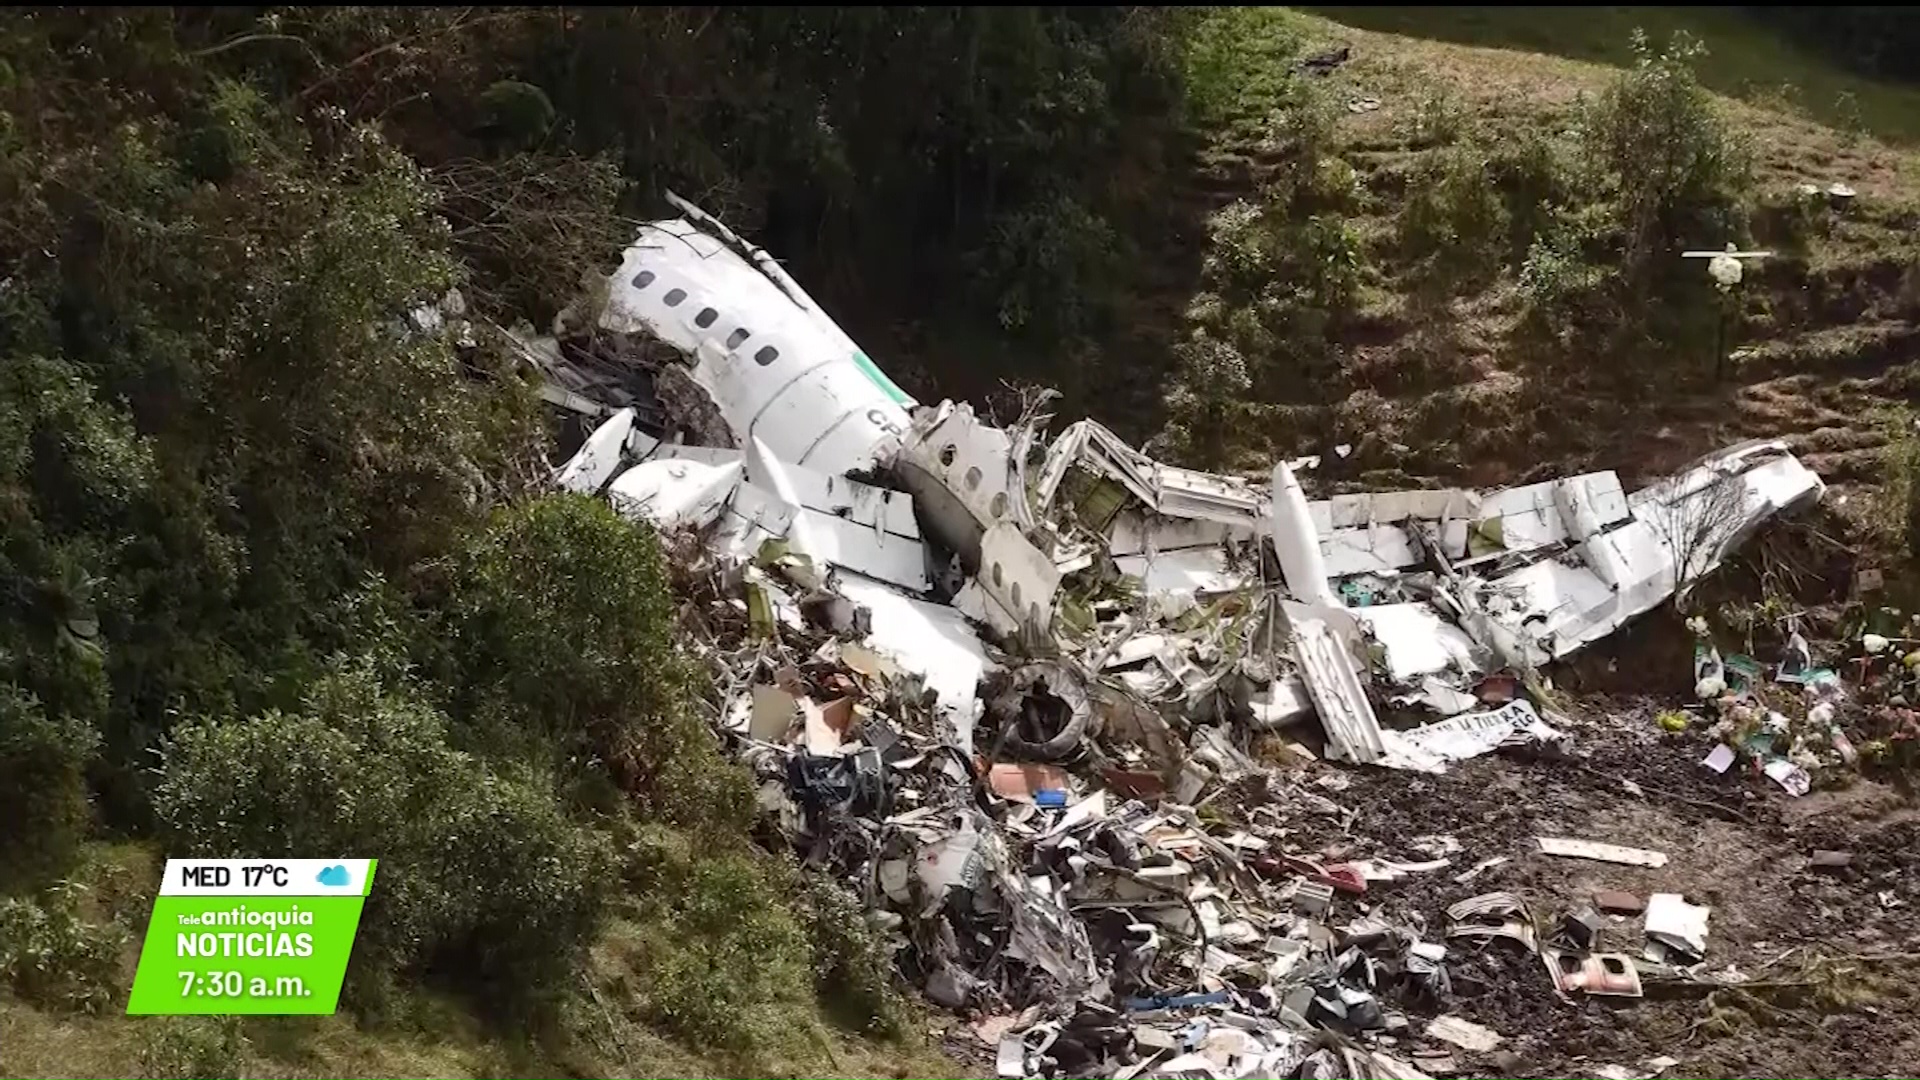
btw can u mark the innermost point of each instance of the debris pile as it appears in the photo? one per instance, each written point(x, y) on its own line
point(1023, 695)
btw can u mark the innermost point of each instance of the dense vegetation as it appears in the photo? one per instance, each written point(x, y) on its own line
point(269, 535)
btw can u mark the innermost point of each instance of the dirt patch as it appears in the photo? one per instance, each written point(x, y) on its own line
point(1734, 842)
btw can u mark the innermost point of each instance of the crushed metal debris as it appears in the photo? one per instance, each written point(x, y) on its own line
point(1022, 694)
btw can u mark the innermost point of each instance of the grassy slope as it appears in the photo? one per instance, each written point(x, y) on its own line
point(1747, 60)
point(1833, 339)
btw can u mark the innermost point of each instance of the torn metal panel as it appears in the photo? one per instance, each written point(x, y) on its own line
point(837, 535)
point(1677, 924)
point(675, 493)
point(1569, 847)
point(1554, 512)
point(1283, 702)
point(1015, 589)
point(960, 470)
point(931, 640)
point(599, 458)
point(1680, 529)
point(1701, 513)
point(1333, 681)
point(776, 366)
point(1550, 609)
point(751, 518)
point(1374, 549)
point(1185, 572)
point(1164, 489)
point(1418, 641)
point(1134, 533)
point(1461, 737)
point(1393, 507)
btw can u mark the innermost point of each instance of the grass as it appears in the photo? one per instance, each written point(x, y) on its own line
point(1746, 60)
point(1444, 389)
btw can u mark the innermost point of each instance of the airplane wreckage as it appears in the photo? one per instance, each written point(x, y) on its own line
point(1250, 603)
point(986, 680)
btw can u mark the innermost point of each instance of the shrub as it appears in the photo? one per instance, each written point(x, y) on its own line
point(1560, 281)
point(200, 425)
point(1453, 223)
point(52, 958)
point(482, 876)
point(561, 644)
point(1533, 172)
point(1049, 268)
point(1667, 159)
point(852, 971)
point(1212, 375)
point(1438, 119)
point(721, 960)
point(43, 793)
point(192, 1047)
point(73, 481)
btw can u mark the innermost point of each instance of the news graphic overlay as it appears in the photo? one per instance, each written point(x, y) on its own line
point(266, 937)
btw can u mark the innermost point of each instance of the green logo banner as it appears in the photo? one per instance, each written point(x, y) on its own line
point(250, 936)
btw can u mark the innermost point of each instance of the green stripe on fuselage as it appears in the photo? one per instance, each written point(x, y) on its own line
point(880, 379)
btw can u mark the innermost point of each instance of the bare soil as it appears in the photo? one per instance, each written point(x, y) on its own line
point(1822, 996)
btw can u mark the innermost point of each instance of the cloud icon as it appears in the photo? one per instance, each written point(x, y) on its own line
point(333, 877)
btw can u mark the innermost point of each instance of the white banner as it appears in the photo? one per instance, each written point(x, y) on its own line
point(266, 877)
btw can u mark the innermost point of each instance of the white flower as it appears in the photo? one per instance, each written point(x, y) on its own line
point(1725, 270)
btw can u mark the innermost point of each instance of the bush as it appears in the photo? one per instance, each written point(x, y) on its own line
point(561, 645)
point(1894, 514)
point(482, 876)
point(1211, 376)
point(1279, 278)
point(51, 957)
point(1533, 173)
point(853, 972)
point(73, 481)
point(720, 960)
point(43, 792)
point(1438, 119)
point(1672, 167)
point(1562, 283)
point(1453, 224)
point(192, 1048)
point(1049, 268)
